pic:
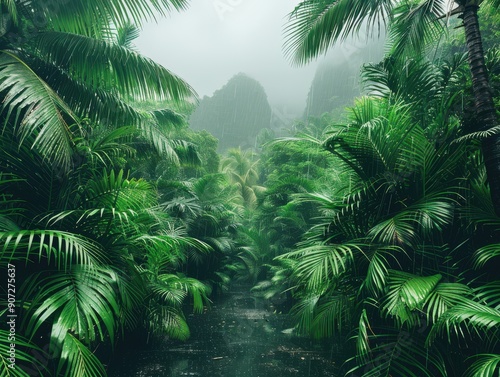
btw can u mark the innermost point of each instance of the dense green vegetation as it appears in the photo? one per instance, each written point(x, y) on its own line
point(374, 224)
point(96, 255)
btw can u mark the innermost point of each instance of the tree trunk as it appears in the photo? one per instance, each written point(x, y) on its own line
point(484, 106)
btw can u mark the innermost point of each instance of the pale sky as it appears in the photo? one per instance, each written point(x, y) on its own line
point(215, 39)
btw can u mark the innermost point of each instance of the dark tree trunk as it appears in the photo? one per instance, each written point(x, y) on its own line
point(483, 98)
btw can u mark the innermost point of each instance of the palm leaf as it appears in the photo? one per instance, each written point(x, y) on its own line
point(7, 225)
point(36, 110)
point(126, 34)
point(485, 254)
point(303, 312)
point(489, 294)
point(82, 300)
point(415, 25)
point(93, 14)
point(109, 108)
point(77, 360)
point(100, 64)
point(172, 242)
point(315, 25)
point(168, 294)
point(195, 288)
point(363, 349)
point(398, 230)
point(475, 317)
point(486, 365)
point(112, 106)
point(420, 219)
point(406, 293)
point(320, 265)
point(378, 268)
point(444, 297)
point(479, 135)
point(11, 7)
point(106, 146)
point(167, 320)
point(132, 290)
point(64, 248)
point(114, 190)
point(333, 315)
point(418, 85)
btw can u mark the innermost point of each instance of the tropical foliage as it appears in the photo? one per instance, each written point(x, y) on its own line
point(96, 255)
point(373, 225)
point(399, 262)
point(412, 26)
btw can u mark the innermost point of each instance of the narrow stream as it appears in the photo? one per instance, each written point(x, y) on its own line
point(239, 336)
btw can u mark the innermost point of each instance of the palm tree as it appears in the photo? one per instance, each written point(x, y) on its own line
point(241, 168)
point(315, 25)
point(62, 62)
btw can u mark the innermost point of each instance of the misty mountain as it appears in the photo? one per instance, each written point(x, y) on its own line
point(235, 113)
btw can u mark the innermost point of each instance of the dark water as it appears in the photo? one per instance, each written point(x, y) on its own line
point(239, 336)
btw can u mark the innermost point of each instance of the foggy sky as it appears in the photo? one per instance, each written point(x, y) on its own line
point(215, 39)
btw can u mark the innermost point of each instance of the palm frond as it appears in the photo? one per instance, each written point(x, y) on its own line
point(95, 14)
point(66, 249)
point(303, 311)
point(105, 146)
point(485, 254)
point(333, 315)
point(418, 85)
point(193, 287)
point(132, 292)
point(314, 26)
point(7, 225)
point(486, 365)
point(126, 34)
point(415, 25)
point(109, 109)
point(167, 320)
point(444, 297)
point(110, 67)
point(473, 316)
point(83, 301)
point(36, 110)
point(421, 219)
point(177, 237)
point(378, 267)
point(406, 293)
point(114, 190)
point(168, 294)
point(363, 348)
point(396, 231)
point(320, 265)
point(12, 11)
point(77, 360)
point(479, 135)
point(489, 294)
